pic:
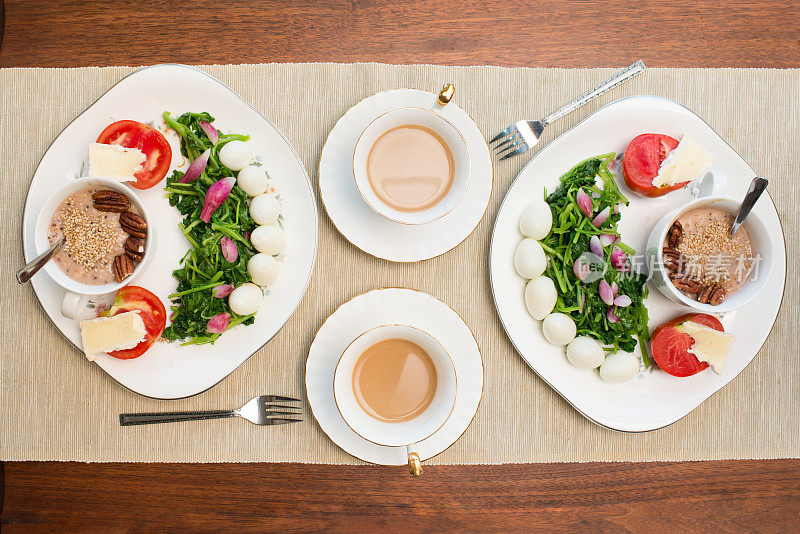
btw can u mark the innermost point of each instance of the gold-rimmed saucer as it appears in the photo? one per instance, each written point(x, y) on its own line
point(371, 232)
point(392, 306)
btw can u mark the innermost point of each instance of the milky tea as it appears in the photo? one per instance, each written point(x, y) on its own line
point(394, 380)
point(410, 168)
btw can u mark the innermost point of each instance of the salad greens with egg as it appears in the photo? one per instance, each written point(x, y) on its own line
point(217, 225)
point(589, 264)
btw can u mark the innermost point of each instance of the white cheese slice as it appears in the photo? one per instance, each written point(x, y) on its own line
point(115, 162)
point(710, 345)
point(689, 161)
point(104, 334)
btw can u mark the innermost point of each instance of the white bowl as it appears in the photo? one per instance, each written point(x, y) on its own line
point(417, 117)
point(43, 223)
point(407, 432)
point(762, 243)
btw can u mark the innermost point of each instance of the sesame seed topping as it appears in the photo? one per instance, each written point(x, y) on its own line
point(89, 237)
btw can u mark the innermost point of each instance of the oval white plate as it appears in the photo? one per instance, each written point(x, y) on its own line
point(653, 399)
point(392, 306)
point(168, 370)
point(373, 233)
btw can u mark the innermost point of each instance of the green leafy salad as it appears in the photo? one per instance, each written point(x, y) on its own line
point(590, 266)
point(217, 225)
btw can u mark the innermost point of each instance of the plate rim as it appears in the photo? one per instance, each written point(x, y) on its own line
point(491, 252)
point(270, 124)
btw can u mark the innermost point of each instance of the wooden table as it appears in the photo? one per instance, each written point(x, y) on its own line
point(688, 496)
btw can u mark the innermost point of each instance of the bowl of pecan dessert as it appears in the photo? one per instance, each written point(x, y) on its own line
point(694, 260)
point(104, 232)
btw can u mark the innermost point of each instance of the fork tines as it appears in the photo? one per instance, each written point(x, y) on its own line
point(278, 398)
point(510, 142)
point(277, 412)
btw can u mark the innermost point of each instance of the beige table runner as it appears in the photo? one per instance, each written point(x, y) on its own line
point(58, 406)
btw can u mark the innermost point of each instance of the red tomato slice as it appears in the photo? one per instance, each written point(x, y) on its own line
point(132, 134)
point(151, 309)
point(641, 162)
point(671, 347)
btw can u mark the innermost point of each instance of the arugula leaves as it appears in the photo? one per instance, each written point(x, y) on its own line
point(570, 237)
point(203, 267)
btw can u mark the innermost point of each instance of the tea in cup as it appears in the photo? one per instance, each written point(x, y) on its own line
point(411, 165)
point(395, 385)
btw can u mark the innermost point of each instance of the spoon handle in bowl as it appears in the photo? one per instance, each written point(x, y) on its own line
point(757, 186)
point(26, 273)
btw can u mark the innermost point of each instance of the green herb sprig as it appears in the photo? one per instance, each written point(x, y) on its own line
point(569, 238)
point(203, 268)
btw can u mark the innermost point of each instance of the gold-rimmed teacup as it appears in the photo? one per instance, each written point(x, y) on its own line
point(430, 119)
point(409, 433)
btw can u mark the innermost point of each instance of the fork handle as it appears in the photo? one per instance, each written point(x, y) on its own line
point(128, 419)
point(620, 77)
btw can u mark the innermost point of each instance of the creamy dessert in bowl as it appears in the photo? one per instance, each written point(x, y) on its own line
point(694, 261)
point(105, 232)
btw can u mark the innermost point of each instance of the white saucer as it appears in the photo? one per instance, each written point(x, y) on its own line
point(385, 306)
point(371, 232)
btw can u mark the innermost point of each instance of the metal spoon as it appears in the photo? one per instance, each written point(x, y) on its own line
point(27, 272)
point(757, 186)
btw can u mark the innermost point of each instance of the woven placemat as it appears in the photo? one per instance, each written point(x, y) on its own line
point(58, 406)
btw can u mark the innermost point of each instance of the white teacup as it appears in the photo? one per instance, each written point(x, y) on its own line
point(427, 118)
point(402, 434)
point(762, 247)
point(79, 296)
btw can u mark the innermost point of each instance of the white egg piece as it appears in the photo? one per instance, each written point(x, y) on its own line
point(236, 155)
point(265, 208)
point(559, 328)
point(263, 269)
point(619, 367)
point(585, 353)
point(246, 299)
point(536, 220)
point(252, 179)
point(269, 238)
point(540, 297)
point(529, 259)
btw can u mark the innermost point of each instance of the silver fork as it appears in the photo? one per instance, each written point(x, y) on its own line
point(522, 135)
point(263, 410)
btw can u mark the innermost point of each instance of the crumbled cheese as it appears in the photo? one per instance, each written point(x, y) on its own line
point(115, 162)
point(710, 345)
point(689, 161)
point(104, 334)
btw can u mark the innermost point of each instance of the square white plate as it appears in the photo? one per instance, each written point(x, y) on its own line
point(653, 399)
point(169, 370)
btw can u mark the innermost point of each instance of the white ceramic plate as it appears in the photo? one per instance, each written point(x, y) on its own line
point(392, 306)
point(653, 399)
point(373, 233)
point(168, 370)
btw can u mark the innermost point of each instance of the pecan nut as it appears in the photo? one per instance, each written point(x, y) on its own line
point(705, 293)
point(672, 259)
point(134, 224)
point(123, 267)
point(684, 283)
point(134, 248)
point(674, 235)
point(110, 201)
point(717, 296)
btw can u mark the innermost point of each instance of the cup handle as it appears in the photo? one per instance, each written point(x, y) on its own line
point(711, 184)
point(414, 463)
point(83, 307)
point(446, 94)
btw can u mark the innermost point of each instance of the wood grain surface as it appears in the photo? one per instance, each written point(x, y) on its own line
point(726, 496)
point(564, 33)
